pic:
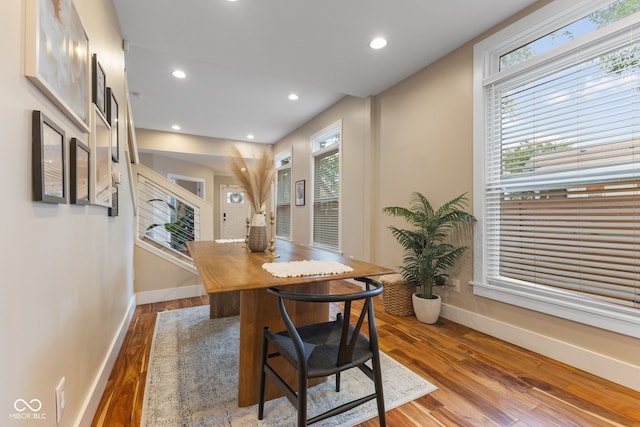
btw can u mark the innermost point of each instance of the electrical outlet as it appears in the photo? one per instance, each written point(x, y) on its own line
point(60, 401)
point(455, 284)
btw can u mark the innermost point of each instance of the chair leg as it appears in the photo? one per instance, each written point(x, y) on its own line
point(265, 348)
point(377, 374)
point(303, 384)
point(337, 381)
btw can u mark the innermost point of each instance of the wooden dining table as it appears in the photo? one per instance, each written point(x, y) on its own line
point(237, 284)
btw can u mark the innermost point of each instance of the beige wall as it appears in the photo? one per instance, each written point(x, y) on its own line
point(356, 181)
point(67, 275)
point(421, 138)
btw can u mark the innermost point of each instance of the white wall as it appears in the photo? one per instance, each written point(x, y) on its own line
point(66, 280)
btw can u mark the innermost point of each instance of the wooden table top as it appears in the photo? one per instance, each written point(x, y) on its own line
point(226, 267)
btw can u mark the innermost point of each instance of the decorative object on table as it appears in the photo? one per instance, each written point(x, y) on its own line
point(49, 179)
point(300, 193)
point(428, 251)
point(272, 244)
point(256, 179)
point(306, 268)
point(99, 86)
point(396, 295)
point(112, 118)
point(61, 73)
point(80, 172)
point(194, 361)
point(246, 240)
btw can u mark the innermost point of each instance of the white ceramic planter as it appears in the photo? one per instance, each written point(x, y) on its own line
point(427, 310)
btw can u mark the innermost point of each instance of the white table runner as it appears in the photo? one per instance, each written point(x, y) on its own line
point(305, 268)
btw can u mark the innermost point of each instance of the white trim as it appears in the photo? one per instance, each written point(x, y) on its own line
point(606, 367)
point(92, 400)
point(170, 294)
point(168, 257)
point(330, 129)
point(485, 69)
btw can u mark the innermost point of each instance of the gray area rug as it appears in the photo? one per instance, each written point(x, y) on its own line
point(192, 379)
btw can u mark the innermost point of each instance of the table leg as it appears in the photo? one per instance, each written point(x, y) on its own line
point(224, 304)
point(257, 310)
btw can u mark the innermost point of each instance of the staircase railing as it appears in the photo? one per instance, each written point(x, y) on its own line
point(168, 215)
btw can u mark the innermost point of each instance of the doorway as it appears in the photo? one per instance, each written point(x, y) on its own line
point(234, 211)
point(191, 184)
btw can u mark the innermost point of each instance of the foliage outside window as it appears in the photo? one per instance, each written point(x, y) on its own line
point(283, 195)
point(557, 155)
point(326, 187)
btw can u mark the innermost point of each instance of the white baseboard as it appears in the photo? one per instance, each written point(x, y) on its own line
point(92, 401)
point(169, 294)
point(617, 371)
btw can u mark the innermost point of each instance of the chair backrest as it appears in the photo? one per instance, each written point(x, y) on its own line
point(349, 334)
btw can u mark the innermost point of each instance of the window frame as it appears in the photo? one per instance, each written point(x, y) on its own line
point(487, 54)
point(330, 130)
point(280, 166)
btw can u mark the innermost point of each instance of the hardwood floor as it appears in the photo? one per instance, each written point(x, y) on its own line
point(482, 381)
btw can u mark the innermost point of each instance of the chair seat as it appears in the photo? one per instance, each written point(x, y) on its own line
point(321, 344)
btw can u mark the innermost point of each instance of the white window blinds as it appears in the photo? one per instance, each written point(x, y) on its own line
point(283, 203)
point(326, 199)
point(562, 174)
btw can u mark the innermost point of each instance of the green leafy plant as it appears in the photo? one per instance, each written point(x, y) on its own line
point(428, 253)
point(181, 226)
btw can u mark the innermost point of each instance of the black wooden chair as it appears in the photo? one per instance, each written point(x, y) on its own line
point(325, 349)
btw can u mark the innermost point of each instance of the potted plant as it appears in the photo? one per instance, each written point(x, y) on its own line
point(428, 252)
point(181, 226)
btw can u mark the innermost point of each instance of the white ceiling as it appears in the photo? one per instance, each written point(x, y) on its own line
point(243, 58)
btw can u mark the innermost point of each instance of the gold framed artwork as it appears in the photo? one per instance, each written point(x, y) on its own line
point(57, 56)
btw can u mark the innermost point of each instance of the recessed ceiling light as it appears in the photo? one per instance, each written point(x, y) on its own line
point(293, 97)
point(250, 136)
point(179, 74)
point(176, 127)
point(378, 43)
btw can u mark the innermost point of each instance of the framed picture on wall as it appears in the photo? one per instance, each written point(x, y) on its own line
point(100, 160)
point(99, 86)
point(112, 118)
point(49, 179)
point(80, 172)
point(300, 193)
point(57, 57)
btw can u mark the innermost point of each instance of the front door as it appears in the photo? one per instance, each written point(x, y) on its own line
point(234, 211)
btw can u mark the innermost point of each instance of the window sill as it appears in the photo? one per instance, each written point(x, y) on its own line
point(610, 317)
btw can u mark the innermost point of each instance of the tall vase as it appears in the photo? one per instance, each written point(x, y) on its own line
point(258, 233)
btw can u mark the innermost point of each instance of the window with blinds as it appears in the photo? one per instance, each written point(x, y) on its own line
point(283, 195)
point(560, 180)
point(283, 203)
point(326, 188)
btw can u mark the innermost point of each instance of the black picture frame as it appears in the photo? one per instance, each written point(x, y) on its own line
point(49, 166)
point(98, 85)
point(113, 209)
point(80, 172)
point(112, 118)
point(299, 192)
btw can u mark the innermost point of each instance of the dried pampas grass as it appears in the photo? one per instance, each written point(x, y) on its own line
point(255, 178)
